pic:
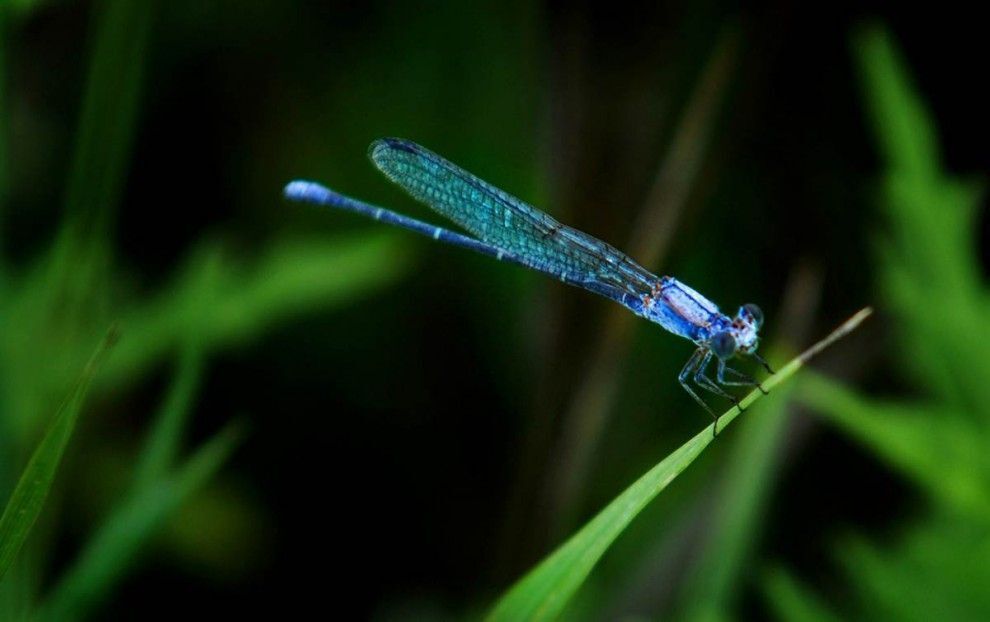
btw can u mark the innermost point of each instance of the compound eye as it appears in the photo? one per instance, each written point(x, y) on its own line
point(755, 313)
point(723, 345)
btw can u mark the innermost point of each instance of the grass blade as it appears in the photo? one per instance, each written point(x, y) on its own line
point(902, 125)
point(109, 111)
point(792, 601)
point(545, 591)
point(80, 257)
point(165, 437)
point(112, 549)
point(221, 302)
point(735, 530)
point(3, 113)
point(913, 438)
point(32, 489)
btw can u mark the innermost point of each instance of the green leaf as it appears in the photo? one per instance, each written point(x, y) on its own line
point(109, 111)
point(61, 301)
point(4, 173)
point(935, 567)
point(32, 489)
point(735, 530)
point(937, 570)
point(79, 265)
point(113, 548)
point(899, 117)
point(927, 247)
point(165, 437)
point(792, 601)
point(24, 7)
point(544, 592)
point(217, 302)
point(942, 451)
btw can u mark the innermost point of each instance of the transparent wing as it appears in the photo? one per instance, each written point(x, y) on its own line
point(502, 220)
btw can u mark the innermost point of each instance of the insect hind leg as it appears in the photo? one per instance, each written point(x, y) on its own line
point(708, 384)
point(759, 359)
point(685, 374)
point(744, 380)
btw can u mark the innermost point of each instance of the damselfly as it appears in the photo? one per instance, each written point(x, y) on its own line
point(511, 230)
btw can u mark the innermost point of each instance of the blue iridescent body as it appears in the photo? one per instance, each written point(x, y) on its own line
point(511, 230)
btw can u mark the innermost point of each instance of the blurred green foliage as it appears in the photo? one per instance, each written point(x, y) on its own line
point(935, 567)
point(461, 78)
point(28, 497)
point(52, 309)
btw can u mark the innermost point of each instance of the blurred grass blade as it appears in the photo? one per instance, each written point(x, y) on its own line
point(927, 245)
point(935, 567)
point(937, 570)
point(165, 436)
point(220, 303)
point(791, 601)
point(656, 223)
point(545, 591)
point(899, 588)
point(80, 260)
point(111, 551)
point(32, 489)
point(902, 126)
point(23, 8)
point(4, 173)
point(109, 112)
point(942, 451)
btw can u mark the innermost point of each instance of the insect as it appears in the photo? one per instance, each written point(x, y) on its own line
point(511, 230)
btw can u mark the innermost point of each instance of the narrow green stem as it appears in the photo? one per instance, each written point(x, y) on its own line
point(544, 592)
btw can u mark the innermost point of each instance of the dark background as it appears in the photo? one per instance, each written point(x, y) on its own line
point(405, 450)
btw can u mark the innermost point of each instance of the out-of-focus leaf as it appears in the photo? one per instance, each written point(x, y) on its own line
point(214, 302)
point(4, 173)
point(23, 7)
point(791, 601)
point(217, 304)
point(940, 450)
point(544, 592)
point(165, 436)
point(78, 270)
point(32, 489)
point(113, 548)
point(927, 250)
point(60, 305)
point(19, 587)
point(220, 530)
point(936, 568)
point(928, 247)
point(901, 123)
point(213, 526)
point(109, 111)
point(937, 571)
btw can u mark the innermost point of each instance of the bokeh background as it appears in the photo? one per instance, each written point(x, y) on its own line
point(307, 412)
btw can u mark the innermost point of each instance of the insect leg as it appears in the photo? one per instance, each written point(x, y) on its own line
point(708, 384)
point(761, 361)
point(745, 380)
point(689, 367)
